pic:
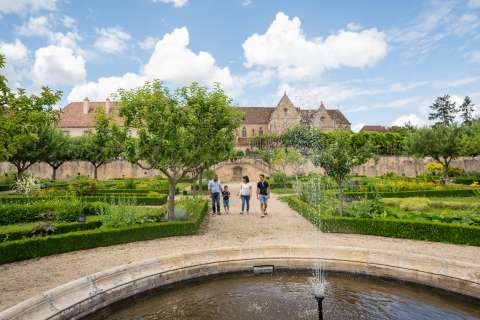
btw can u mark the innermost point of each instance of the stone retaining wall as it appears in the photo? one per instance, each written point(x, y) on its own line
point(401, 165)
point(89, 294)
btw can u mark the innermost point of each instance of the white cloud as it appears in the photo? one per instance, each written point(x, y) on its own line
point(171, 61)
point(42, 26)
point(17, 55)
point(21, 7)
point(174, 62)
point(474, 56)
point(56, 65)
point(353, 26)
point(111, 40)
point(176, 3)
point(411, 119)
point(148, 43)
point(357, 127)
point(310, 96)
point(402, 87)
point(15, 51)
point(285, 48)
point(447, 84)
point(68, 22)
point(394, 104)
point(474, 3)
point(246, 2)
point(104, 87)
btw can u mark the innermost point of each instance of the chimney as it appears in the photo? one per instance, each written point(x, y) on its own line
point(85, 106)
point(108, 105)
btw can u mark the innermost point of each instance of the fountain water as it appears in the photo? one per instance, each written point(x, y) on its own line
point(319, 285)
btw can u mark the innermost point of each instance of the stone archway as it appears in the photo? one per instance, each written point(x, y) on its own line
point(237, 173)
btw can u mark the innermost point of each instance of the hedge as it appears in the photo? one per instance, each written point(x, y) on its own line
point(5, 187)
point(12, 213)
point(39, 247)
point(417, 193)
point(112, 199)
point(272, 185)
point(394, 228)
point(466, 180)
point(26, 230)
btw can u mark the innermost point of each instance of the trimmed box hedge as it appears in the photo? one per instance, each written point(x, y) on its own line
point(39, 247)
point(112, 199)
point(417, 193)
point(5, 187)
point(16, 232)
point(12, 213)
point(394, 228)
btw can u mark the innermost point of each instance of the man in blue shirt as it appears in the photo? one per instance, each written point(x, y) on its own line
point(214, 190)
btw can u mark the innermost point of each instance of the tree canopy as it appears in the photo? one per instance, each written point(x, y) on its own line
point(179, 132)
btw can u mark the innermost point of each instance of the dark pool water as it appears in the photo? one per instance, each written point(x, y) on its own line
point(288, 296)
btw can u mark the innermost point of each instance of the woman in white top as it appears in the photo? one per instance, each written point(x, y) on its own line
point(245, 193)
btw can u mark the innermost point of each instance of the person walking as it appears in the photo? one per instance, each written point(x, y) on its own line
point(263, 194)
point(245, 193)
point(214, 190)
point(226, 199)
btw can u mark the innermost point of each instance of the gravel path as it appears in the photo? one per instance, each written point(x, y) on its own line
point(283, 226)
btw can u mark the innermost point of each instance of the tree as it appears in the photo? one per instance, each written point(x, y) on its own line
point(178, 133)
point(24, 120)
point(470, 140)
point(441, 142)
point(59, 148)
point(284, 157)
point(102, 145)
point(443, 110)
point(304, 138)
point(466, 110)
point(339, 158)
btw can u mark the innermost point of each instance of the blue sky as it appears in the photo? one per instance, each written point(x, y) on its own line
point(380, 62)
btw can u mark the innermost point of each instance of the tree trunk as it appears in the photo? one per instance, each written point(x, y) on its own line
point(200, 182)
point(340, 197)
point(95, 171)
point(445, 171)
point(172, 185)
point(54, 173)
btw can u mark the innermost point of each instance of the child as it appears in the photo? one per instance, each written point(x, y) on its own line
point(226, 199)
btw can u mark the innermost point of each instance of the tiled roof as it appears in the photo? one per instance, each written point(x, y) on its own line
point(373, 128)
point(307, 115)
point(257, 115)
point(72, 115)
point(338, 116)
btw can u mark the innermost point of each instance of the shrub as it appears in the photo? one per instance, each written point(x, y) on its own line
point(38, 247)
point(416, 193)
point(455, 172)
point(82, 186)
point(279, 178)
point(69, 210)
point(27, 185)
point(434, 168)
point(415, 204)
point(119, 216)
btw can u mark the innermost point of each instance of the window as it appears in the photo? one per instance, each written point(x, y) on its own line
point(285, 110)
point(244, 132)
point(260, 131)
point(253, 132)
point(66, 132)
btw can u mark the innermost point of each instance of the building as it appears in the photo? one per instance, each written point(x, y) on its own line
point(373, 128)
point(261, 120)
point(79, 117)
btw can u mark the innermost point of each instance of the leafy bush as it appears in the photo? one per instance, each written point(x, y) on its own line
point(82, 186)
point(38, 247)
point(279, 178)
point(413, 204)
point(68, 211)
point(367, 208)
point(120, 216)
point(434, 168)
point(27, 185)
point(418, 193)
point(455, 172)
point(139, 200)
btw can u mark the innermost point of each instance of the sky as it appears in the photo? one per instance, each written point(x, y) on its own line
point(379, 62)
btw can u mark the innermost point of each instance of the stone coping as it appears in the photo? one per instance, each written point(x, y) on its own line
point(80, 297)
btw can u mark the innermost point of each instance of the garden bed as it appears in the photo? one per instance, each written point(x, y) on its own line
point(103, 236)
point(387, 227)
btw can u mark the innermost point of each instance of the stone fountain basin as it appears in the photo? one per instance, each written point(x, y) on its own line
point(86, 295)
